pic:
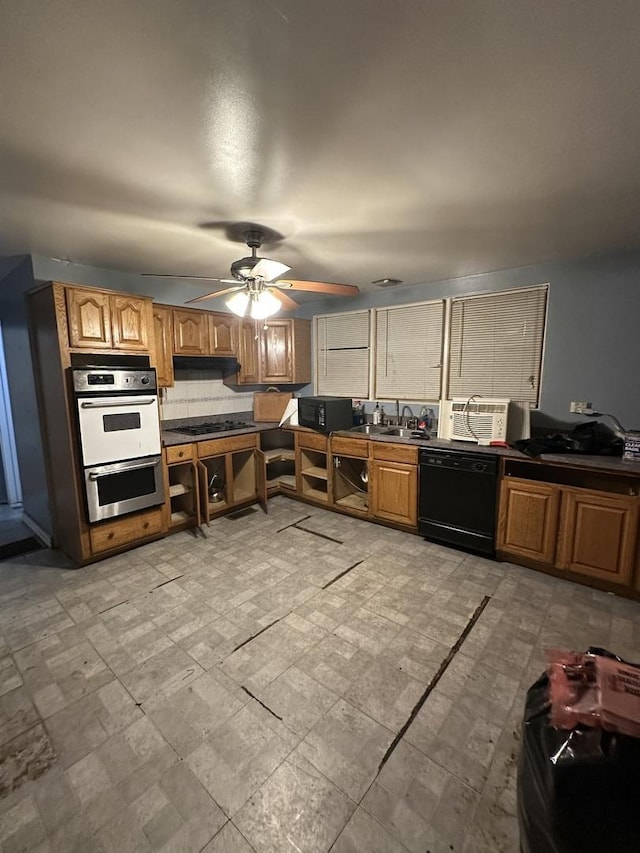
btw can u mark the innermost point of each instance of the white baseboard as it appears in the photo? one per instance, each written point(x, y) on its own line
point(38, 532)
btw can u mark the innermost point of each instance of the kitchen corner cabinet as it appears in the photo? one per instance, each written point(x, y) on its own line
point(312, 471)
point(227, 466)
point(393, 483)
point(590, 532)
point(273, 352)
point(163, 335)
point(108, 321)
point(182, 507)
point(278, 457)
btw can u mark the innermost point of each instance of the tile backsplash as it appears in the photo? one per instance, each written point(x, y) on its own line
point(202, 392)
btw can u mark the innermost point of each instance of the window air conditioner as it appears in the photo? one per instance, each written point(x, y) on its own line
point(484, 419)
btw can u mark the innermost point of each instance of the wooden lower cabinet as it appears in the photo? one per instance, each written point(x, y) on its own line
point(528, 519)
point(182, 506)
point(583, 531)
point(228, 468)
point(312, 472)
point(394, 492)
point(598, 536)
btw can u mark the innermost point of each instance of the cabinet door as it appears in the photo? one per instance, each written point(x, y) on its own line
point(528, 519)
point(276, 352)
point(394, 492)
point(89, 318)
point(222, 334)
point(130, 322)
point(190, 332)
point(261, 478)
point(248, 355)
point(163, 334)
point(598, 535)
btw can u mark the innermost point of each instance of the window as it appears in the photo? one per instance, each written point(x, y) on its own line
point(495, 347)
point(342, 354)
point(409, 351)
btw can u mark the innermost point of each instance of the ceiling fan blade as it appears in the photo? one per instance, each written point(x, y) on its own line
point(216, 293)
point(268, 269)
point(191, 277)
point(320, 287)
point(284, 298)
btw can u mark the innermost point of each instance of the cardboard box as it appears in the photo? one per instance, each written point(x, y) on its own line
point(632, 445)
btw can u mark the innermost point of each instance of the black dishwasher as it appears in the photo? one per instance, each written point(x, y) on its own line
point(458, 498)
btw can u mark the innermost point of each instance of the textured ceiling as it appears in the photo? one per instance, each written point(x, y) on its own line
point(405, 138)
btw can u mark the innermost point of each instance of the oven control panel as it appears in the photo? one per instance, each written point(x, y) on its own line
point(113, 380)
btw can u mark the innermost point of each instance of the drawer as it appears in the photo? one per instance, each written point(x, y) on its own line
point(180, 453)
point(312, 441)
point(216, 446)
point(124, 531)
point(394, 452)
point(349, 446)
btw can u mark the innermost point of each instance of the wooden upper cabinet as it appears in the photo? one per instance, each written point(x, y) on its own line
point(163, 334)
point(598, 535)
point(528, 519)
point(130, 322)
point(190, 332)
point(89, 319)
point(102, 320)
point(281, 354)
point(248, 356)
point(222, 334)
point(276, 356)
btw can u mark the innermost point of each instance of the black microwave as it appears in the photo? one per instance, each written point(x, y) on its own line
point(325, 414)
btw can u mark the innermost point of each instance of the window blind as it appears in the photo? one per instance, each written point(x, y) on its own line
point(495, 347)
point(409, 351)
point(342, 355)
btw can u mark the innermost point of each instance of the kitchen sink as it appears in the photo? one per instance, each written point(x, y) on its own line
point(371, 429)
point(401, 432)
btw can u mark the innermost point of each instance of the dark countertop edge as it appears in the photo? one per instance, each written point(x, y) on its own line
point(574, 460)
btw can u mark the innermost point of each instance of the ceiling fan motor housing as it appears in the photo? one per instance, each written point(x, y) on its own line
point(241, 269)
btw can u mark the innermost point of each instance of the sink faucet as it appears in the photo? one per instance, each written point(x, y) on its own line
point(408, 421)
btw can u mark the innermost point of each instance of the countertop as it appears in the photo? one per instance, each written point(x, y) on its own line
point(575, 460)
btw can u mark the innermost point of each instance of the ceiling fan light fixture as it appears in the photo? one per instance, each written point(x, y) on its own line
point(238, 303)
point(263, 305)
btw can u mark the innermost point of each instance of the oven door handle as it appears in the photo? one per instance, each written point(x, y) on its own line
point(94, 476)
point(86, 404)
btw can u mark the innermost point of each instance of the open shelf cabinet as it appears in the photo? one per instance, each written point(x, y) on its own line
point(279, 456)
point(183, 509)
point(350, 484)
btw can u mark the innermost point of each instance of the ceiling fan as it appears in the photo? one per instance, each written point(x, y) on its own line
point(257, 289)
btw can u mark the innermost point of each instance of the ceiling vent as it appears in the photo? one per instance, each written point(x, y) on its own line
point(387, 282)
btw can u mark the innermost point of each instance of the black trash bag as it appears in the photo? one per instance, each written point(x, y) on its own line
point(578, 791)
point(591, 437)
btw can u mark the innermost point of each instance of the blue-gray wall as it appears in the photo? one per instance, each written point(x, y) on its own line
point(592, 343)
point(592, 347)
point(13, 315)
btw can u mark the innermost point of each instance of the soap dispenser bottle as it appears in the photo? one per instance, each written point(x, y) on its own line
point(377, 414)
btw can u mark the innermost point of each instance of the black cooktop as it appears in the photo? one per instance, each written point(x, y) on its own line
point(214, 426)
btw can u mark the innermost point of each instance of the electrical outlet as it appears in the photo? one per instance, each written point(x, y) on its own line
point(580, 408)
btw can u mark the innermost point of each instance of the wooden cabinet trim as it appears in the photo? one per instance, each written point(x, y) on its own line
point(394, 452)
point(358, 447)
point(217, 446)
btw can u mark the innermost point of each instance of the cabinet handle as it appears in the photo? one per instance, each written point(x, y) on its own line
point(181, 454)
point(145, 525)
point(111, 535)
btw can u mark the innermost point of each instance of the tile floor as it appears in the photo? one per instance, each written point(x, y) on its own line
point(239, 693)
